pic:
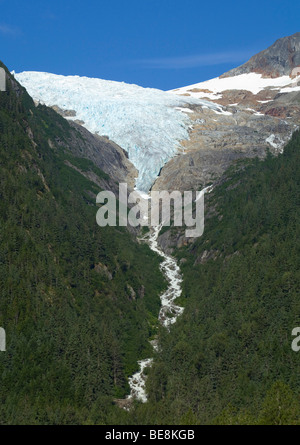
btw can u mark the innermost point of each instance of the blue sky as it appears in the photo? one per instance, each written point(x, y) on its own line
point(153, 43)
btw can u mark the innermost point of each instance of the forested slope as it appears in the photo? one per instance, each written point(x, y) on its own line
point(229, 359)
point(78, 302)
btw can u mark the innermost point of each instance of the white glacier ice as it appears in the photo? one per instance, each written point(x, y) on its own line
point(148, 123)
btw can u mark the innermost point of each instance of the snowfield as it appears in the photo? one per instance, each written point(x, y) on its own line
point(148, 123)
point(253, 82)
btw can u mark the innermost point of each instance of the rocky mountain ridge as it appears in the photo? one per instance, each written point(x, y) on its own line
point(260, 115)
point(280, 59)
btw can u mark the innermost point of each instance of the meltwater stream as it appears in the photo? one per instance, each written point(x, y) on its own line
point(168, 314)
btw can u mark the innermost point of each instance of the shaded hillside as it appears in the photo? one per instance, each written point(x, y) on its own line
point(78, 303)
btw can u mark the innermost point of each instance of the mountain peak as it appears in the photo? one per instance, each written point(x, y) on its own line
point(280, 59)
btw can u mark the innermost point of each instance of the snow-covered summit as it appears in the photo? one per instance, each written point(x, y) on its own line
point(148, 123)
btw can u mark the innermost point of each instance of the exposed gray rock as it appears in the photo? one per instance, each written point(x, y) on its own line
point(103, 270)
point(278, 60)
point(222, 140)
point(256, 124)
point(131, 292)
point(64, 113)
point(105, 154)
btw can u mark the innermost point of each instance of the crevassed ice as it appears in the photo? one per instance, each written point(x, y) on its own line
point(143, 121)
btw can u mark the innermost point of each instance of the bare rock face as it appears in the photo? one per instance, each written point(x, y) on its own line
point(218, 141)
point(249, 126)
point(64, 113)
point(278, 60)
point(105, 154)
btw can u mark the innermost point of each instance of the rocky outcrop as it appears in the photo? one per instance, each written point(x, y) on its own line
point(102, 269)
point(280, 59)
point(104, 153)
point(249, 125)
point(64, 113)
point(216, 141)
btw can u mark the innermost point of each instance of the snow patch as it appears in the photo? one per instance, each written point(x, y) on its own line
point(252, 82)
point(184, 110)
point(290, 89)
point(275, 142)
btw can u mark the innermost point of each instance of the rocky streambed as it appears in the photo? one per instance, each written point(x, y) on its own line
point(168, 314)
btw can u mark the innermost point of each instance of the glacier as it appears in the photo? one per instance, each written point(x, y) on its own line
point(147, 123)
